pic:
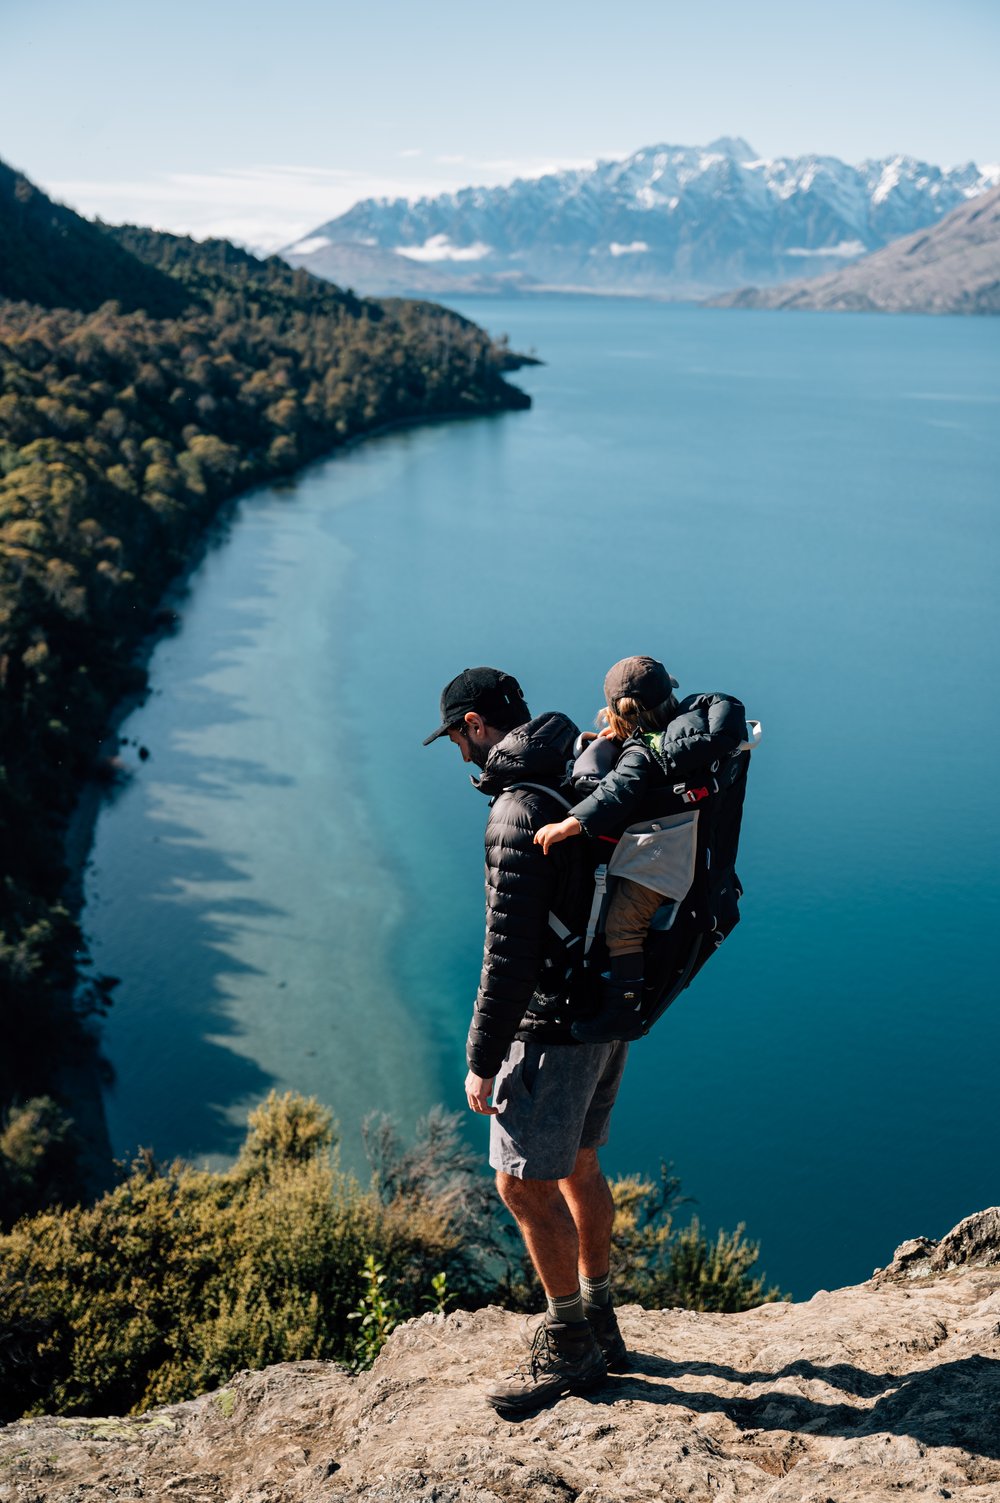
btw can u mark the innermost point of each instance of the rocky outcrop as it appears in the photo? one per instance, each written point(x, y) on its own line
point(885, 1390)
point(952, 268)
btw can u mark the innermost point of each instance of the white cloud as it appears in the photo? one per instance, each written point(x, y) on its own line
point(634, 248)
point(310, 244)
point(505, 169)
point(268, 207)
point(258, 206)
point(440, 248)
point(843, 248)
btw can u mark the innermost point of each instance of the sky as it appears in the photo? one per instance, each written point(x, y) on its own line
point(259, 121)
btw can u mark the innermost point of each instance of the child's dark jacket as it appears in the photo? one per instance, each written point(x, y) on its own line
point(706, 728)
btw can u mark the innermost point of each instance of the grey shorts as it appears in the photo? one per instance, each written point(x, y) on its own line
point(553, 1100)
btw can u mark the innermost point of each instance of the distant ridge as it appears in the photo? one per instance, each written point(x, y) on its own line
point(952, 268)
point(370, 270)
point(669, 221)
point(51, 256)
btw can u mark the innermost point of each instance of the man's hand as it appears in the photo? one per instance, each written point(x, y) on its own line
point(478, 1090)
point(550, 835)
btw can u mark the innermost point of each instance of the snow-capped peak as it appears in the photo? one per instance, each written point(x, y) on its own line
point(710, 216)
point(732, 146)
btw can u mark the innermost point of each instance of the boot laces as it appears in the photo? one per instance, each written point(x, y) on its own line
point(543, 1346)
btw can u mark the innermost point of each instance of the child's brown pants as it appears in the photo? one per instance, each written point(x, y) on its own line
point(630, 913)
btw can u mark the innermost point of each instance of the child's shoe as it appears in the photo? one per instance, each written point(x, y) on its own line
point(620, 1017)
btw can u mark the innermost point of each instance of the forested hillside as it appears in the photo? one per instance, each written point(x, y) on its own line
point(179, 1277)
point(51, 256)
point(120, 434)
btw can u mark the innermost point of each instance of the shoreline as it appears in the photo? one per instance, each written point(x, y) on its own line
point(82, 1085)
point(94, 791)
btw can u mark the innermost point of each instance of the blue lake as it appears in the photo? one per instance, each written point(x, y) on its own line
point(799, 509)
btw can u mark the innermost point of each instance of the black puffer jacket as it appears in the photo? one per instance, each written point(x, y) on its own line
point(523, 887)
point(706, 727)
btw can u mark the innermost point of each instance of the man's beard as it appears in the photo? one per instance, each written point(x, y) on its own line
point(478, 754)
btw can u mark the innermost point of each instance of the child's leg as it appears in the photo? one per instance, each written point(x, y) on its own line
point(630, 913)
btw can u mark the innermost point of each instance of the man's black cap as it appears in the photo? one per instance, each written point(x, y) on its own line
point(487, 691)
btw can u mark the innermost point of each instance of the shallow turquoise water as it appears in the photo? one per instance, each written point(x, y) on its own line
point(800, 509)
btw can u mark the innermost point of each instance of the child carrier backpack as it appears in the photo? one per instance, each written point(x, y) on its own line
point(687, 854)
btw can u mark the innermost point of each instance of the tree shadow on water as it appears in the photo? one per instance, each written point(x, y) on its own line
point(169, 1034)
point(176, 935)
point(182, 902)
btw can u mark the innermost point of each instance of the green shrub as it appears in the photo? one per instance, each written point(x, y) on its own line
point(37, 1156)
point(485, 1262)
point(179, 1277)
point(657, 1264)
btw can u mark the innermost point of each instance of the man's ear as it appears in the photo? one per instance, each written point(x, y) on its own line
point(475, 724)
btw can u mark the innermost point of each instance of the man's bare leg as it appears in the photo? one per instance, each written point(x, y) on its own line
point(566, 1356)
point(548, 1228)
point(588, 1198)
point(590, 1202)
point(566, 1224)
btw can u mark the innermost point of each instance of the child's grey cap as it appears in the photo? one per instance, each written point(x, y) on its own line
point(642, 679)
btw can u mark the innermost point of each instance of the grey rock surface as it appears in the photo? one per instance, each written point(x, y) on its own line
point(952, 268)
point(885, 1390)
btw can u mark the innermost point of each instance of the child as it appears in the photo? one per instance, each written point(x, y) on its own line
point(639, 698)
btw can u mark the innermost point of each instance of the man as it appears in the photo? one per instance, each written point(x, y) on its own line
point(552, 1097)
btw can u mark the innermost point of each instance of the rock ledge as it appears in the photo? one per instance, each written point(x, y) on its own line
point(860, 1395)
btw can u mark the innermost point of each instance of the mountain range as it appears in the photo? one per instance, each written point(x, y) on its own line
point(674, 221)
point(952, 268)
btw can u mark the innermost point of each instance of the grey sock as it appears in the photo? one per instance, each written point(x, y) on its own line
point(596, 1291)
point(566, 1308)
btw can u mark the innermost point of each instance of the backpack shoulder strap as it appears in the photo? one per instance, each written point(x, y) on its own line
point(600, 880)
point(541, 788)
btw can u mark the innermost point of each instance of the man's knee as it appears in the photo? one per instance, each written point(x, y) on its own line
point(587, 1167)
point(525, 1194)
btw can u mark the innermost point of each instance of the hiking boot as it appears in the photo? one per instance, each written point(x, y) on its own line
point(604, 1324)
point(620, 1016)
point(563, 1359)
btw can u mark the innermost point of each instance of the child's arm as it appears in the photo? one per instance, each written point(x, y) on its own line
point(550, 835)
point(620, 794)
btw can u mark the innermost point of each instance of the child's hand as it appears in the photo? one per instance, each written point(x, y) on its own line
point(550, 835)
